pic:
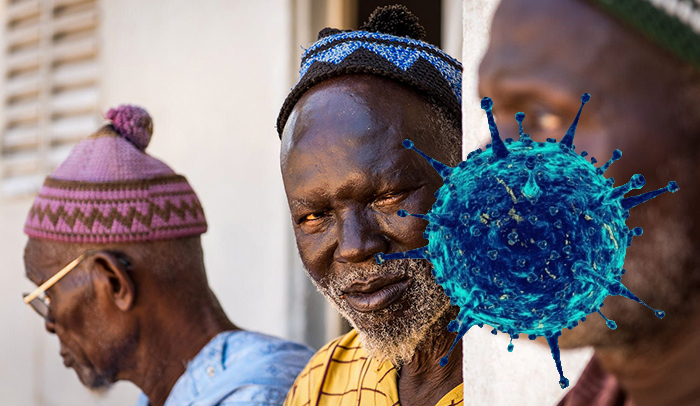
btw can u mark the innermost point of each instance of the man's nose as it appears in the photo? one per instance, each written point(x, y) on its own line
point(359, 239)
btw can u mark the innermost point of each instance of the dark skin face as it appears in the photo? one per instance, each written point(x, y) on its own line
point(87, 309)
point(363, 181)
point(108, 315)
point(346, 174)
point(543, 55)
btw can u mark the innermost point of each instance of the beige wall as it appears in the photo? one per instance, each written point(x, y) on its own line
point(494, 376)
point(213, 75)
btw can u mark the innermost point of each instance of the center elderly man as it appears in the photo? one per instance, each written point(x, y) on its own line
point(346, 174)
point(134, 303)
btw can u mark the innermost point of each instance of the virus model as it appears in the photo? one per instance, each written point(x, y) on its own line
point(528, 237)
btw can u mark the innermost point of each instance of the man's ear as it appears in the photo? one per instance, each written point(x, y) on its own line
point(112, 277)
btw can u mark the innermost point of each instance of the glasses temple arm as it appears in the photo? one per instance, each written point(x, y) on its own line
point(52, 281)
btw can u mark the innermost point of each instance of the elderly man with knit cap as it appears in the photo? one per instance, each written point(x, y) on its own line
point(114, 246)
point(640, 59)
point(345, 172)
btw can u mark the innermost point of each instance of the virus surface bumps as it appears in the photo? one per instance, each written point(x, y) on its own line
point(529, 237)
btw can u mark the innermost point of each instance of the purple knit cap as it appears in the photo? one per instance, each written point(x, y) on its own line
point(109, 190)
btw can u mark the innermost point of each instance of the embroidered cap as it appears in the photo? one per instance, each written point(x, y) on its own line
point(389, 44)
point(109, 190)
point(672, 24)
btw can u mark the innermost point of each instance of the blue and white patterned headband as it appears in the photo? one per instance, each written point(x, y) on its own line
point(406, 59)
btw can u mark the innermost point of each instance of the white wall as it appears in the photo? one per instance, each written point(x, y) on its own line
point(492, 375)
point(213, 75)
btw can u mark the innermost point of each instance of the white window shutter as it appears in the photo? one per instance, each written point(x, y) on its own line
point(51, 87)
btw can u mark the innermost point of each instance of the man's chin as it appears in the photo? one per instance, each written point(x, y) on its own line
point(392, 333)
point(399, 343)
point(92, 380)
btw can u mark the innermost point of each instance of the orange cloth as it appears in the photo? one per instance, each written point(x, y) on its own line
point(341, 374)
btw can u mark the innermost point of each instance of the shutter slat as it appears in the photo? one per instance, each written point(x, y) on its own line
point(67, 3)
point(75, 74)
point(75, 22)
point(23, 60)
point(22, 112)
point(22, 86)
point(51, 87)
point(22, 10)
point(22, 36)
point(80, 49)
point(24, 162)
point(73, 128)
point(21, 137)
point(74, 102)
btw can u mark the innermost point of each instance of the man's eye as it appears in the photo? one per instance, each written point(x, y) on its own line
point(312, 217)
point(548, 121)
point(390, 198)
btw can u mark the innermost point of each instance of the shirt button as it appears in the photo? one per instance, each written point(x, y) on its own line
point(211, 371)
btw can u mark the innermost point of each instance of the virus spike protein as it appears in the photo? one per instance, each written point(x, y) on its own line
point(499, 147)
point(629, 202)
point(441, 168)
point(528, 237)
point(568, 139)
point(519, 117)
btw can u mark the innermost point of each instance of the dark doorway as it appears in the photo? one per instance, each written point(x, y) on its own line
point(429, 13)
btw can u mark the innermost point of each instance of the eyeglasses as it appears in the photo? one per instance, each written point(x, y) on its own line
point(38, 299)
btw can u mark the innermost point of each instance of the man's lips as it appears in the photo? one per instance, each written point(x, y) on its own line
point(376, 294)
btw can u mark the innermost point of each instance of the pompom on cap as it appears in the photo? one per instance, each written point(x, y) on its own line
point(328, 31)
point(132, 123)
point(394, 20)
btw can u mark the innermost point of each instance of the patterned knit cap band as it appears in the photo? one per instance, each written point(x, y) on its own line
point(109, 190)
point(672, 24)
point(388, 44)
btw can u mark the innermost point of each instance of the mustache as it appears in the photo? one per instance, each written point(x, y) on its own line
point(341, 280)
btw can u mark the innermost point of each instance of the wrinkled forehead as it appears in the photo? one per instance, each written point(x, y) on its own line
point(573, 46)
point(557, 39)
point(358, 106)
point(356, 121)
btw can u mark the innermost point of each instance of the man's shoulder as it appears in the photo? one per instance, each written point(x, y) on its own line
point(256, 369)
point(249, 346)
point(240, 368)
point(348, 343)
point(343, 348)
point(336, 362)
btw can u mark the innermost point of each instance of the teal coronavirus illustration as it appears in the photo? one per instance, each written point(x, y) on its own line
point(528, 237)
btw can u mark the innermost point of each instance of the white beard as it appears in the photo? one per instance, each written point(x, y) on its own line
point(384, 335)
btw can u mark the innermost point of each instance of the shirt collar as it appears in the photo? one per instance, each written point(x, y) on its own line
point(199, 374)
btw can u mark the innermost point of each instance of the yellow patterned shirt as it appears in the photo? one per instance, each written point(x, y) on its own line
point(341, 374)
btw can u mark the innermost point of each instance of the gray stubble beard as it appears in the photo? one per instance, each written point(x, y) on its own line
point(384, 335)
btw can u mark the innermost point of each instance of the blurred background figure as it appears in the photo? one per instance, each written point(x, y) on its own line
point(214, 74)
point(640, 60)
point(133, 302)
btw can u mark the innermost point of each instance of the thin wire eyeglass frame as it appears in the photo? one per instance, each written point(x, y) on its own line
point(38, 299)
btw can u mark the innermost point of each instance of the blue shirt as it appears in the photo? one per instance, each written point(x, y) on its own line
point(239, 368)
